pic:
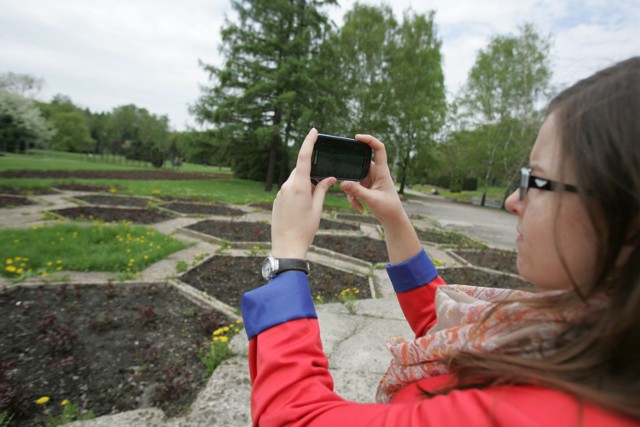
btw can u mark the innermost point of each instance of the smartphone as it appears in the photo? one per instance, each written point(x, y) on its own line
point(342, 158)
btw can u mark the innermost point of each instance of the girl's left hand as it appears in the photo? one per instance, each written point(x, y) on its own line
point(298, 207)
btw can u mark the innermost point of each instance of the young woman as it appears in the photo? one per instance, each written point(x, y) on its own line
point(566, 355)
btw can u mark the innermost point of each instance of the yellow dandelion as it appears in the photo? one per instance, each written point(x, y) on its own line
point(146, 257)
point(42, 400)
point(19, 271)
point(65, 402)
point(49, 264)
point(59, 261)
point(224, 339)
point(9, 261)
point(11, 269)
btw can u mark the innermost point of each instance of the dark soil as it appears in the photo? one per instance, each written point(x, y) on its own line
point(82, 187)
point(263, 205)
point(243, 231)
point(107, 348)
point(13, 201)
point(99, 199)
point(474, 277)
point(452, 238)
point(140, 216)
point(226, 278)
point(359, 218)
point(491, 258)
point(24, 191)
point(364, 248)
point(202, 209)
point(327, 224)
point(236, 231)
point(113, 174)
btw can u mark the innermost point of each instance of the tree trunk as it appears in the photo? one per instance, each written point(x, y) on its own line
point(273, 155)
point(405, 166)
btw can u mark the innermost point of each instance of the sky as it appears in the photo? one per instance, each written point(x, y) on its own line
point(108, 53)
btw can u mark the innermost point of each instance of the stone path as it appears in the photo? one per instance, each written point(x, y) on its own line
point(225, 401)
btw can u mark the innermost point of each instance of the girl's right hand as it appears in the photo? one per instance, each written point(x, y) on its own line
point(379, 193)
point(378, 190)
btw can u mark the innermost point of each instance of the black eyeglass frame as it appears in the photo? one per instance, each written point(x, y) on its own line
point(528, 181)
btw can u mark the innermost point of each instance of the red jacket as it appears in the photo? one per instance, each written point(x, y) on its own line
point(292, 385)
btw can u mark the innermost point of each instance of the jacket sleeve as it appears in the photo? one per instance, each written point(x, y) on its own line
point(291, 383)
point(415, 282)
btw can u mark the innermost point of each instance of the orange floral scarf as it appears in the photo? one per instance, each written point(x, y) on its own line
point(512, 329)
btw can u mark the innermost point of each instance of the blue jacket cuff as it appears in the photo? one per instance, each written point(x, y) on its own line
point(287, 297)
point(412, 273)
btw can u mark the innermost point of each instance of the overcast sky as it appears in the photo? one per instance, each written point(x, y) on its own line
point(107, 53)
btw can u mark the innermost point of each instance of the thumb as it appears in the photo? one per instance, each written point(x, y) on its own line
point(321, 190)
point(355, 190)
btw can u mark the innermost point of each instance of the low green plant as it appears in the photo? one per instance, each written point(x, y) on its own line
point(224, 247)
point(217, 349)
point(70, 413)
point(121, 247)
point(5, 418)
point(181, 266)
point(348, 297)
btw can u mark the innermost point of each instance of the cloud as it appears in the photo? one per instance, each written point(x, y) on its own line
point(106, 53)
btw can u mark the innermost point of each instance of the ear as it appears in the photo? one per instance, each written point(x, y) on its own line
point(631, 241)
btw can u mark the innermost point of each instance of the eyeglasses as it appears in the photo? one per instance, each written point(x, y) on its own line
point(528, 181)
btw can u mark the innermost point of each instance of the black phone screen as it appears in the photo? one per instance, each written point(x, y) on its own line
point(342, 158)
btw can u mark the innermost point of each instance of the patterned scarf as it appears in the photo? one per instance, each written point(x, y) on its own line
point(512, 329)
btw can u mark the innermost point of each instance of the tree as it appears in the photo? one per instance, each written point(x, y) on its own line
point(417, 85)
point(504, 89)
point(22, 125)
point(71, 124)
point(23, 84)
point(366, 41)
point(139, 134)
point(259, 95)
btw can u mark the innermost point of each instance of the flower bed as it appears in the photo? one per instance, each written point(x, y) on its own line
point(204, 209)
point(364, 248)
point(491, 258)
point(475, 277)
point(107, 348)
point(226, 278)
point(13, 201)
point(100, 199)
point(140, 216)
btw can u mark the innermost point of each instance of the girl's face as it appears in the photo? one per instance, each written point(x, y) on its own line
point(557, 243)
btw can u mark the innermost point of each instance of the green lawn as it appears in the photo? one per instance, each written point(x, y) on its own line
point(41, 159)
point(230, 190)
point(121, 248)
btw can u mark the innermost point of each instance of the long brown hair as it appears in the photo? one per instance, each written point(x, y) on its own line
point(597, 360)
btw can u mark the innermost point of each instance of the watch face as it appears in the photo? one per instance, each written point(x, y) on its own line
point(267, 267)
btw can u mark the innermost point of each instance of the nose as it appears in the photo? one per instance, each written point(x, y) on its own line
point(513, 202)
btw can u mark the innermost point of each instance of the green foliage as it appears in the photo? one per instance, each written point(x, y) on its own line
point(70, 413)
point(22, 126)
point(72, 133)
point(41, 251)
point(417, 82)
point(259, 94)
point(497, 112)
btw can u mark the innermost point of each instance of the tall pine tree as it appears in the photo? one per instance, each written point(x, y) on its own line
point(261, 92)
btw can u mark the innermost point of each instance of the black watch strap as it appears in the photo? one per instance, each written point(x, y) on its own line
point(288, 264)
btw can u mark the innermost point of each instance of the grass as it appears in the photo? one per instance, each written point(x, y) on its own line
point(53, 160)
point(230, 190)
point(122, 248)
point(494, 194)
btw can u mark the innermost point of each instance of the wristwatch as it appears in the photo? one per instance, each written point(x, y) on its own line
point(271, 266)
